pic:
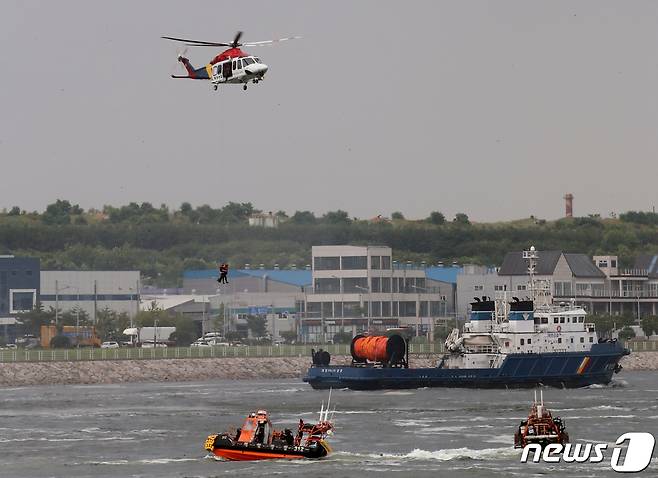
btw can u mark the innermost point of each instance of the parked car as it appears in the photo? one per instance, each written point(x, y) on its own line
point(217, 341)
point(110, 345)
point(149, 344)
point(200, 343)
point(212, 335)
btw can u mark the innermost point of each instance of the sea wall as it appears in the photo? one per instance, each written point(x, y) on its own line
point(178, 370)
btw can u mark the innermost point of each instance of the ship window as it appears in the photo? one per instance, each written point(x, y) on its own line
point(591, 339)
point(544, 320)
point(555, 320)
point(568, 319)
point(582, 340)
point(529, 341)
point(562, 320)
point(559, 340)
point(571, 339)
point(506, 344)
point(613, 263)
point(522, 342)
point(582, 319)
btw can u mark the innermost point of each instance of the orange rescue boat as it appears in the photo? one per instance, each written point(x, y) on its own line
point(540, 427)
point(258, 440)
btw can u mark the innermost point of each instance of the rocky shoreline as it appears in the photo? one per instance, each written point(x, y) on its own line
point(180, 370)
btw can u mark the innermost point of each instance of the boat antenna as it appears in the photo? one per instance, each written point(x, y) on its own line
point(326, 413)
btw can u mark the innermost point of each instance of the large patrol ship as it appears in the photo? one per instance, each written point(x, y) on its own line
point(509, 342)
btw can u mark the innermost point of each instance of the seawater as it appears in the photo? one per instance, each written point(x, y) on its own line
point(158, 429)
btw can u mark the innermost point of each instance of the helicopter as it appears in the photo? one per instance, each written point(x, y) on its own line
point(232, 66)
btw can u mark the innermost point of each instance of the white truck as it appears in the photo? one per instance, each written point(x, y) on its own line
point(147, 335)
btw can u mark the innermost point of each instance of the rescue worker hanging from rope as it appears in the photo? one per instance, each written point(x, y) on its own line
point(223, 273)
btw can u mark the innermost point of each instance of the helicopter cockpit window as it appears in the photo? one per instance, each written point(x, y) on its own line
point(257, 60)
point(248, 61)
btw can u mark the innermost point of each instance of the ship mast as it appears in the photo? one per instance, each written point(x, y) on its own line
point(540, 290)
point(532, 257)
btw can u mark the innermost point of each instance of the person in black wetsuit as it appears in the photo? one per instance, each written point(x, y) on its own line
point(223, 273)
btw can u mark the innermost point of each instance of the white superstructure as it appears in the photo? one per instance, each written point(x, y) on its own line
point(511, 325)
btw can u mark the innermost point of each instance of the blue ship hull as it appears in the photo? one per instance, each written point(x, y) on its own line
point(558, 369)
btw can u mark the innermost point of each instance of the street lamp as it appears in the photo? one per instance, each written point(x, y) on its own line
point(418, 318)
point(137, 300)
point(77, 309)
point(57, 290)
point(365, 289)
point(342, 307)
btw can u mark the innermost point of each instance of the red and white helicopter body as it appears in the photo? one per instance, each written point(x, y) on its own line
point(232, 66)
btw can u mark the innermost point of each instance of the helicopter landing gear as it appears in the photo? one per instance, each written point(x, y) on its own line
point(255, 82)
point(244, 87)
point(214, 87)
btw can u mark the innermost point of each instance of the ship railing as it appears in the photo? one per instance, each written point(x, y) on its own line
point(610, 294)
point(482, 349)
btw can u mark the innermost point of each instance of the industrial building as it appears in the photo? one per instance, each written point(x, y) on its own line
point(19, 284)
point(19, 291)
point(91, 291)
point(247, 280)
point(348, 288)
point(276, 294)
point(360, 288)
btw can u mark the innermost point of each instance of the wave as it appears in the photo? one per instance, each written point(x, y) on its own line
point(152, 461)
point(449, 454)
point(449, 429)
point(615, 383)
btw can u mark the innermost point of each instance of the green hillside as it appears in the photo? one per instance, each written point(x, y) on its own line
point(162, 243)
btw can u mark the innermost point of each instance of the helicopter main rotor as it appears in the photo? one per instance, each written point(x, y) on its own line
point(234, 44)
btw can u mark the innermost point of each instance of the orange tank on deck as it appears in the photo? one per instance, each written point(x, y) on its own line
point(371, 348)
point(379, 349)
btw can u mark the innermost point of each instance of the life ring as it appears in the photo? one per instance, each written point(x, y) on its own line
point(559, 328)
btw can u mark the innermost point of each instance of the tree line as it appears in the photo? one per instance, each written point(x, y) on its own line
point(162, 243)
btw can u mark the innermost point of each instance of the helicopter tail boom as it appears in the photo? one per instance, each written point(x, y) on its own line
point(193, 73)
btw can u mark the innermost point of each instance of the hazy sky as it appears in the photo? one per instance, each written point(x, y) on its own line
point(493, 108)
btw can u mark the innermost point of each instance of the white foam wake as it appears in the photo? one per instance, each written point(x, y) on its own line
point(441, 455)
